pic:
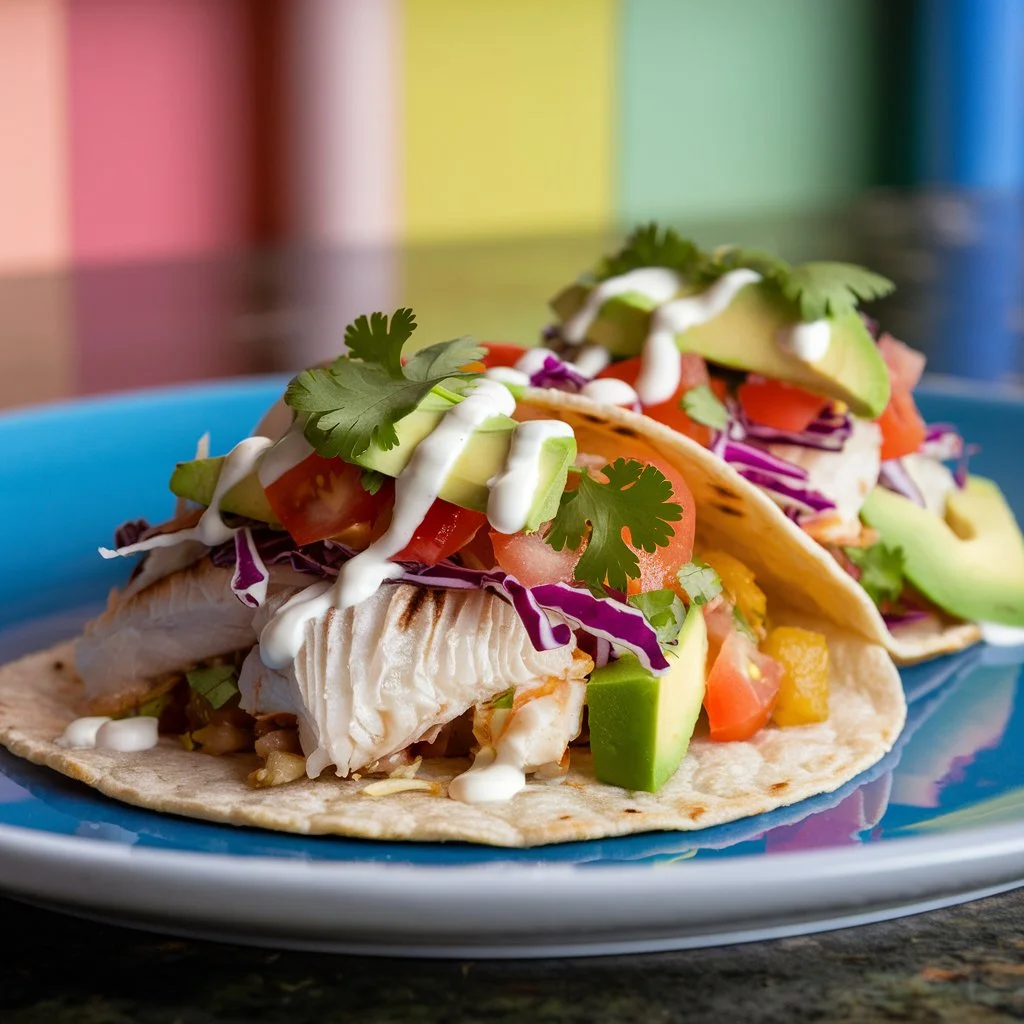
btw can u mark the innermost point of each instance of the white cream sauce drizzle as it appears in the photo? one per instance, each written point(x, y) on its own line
point(127, 735)
point(807, 341)
point(416, 488)
point(660, 360)
point(591, 359)
point(499, 772)
point(508, 375)
point(81, 733)
point(658, 284)
point(211, 528)
point(285, 455)
point(611, 391)
point(998, 635)
point(124, 735)
point(513, 490)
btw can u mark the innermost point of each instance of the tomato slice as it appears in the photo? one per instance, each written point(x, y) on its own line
point(694, 373)
point(533, 561)
point(658, 568)
point(322, 498)
point(905, 364)
point(445, 529)
point(742, 688)
point(779, 405)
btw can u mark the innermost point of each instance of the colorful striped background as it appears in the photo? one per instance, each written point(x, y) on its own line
point(144, 129)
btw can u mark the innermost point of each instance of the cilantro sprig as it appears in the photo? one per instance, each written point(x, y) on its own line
point(700, 581)
point(831, 289)
point(663, 610)
point(358, 400)
point(881, 570)
point(816, 289)
point(634, 498)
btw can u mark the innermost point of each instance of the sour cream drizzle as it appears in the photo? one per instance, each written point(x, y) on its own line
point(124, 735)
point(512, 491)
point(611, 391)
point(416, 489)
point(211, 528)
point(660, 366)
point(660, 363)
point(286, 454)
point(808, 342)
point(499, 772)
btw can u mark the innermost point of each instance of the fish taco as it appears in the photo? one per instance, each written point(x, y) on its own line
point(434, 606)
point(775, 370)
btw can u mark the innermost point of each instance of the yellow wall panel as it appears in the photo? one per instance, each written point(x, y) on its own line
point(508, 116)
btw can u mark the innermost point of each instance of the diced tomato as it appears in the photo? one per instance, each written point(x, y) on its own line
point(499, 353)
point(445, 529)
point(533, 561)
point(905, 364)
point(694, 373)
point(741, 691)
point(322, 498)
point(903, 428)
point(658, 568)
point(778, 405)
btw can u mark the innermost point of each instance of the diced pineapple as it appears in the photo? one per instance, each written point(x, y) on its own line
point(803, 655)
point(739, 585)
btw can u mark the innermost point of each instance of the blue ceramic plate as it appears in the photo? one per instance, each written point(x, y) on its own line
point(939, 820)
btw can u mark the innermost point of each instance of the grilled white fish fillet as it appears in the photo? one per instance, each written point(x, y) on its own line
point(170, 625)
point(373, 679)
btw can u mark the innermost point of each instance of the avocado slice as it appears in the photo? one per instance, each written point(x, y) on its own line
point(971, 564)
point(641, 724)
point(466, 485)
point(745, 337)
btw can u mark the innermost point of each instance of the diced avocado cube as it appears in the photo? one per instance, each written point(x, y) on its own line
point(641, 724)
point(971, 564)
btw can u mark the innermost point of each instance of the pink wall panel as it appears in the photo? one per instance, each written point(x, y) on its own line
point(158, 127)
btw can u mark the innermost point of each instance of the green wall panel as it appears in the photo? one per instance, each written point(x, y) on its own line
point(742, 107)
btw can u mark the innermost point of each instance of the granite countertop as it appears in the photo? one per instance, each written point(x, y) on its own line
point(963, 964)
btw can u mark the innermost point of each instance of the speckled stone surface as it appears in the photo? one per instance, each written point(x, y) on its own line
point(965, 964)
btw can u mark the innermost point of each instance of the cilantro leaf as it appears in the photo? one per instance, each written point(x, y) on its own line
point(371, 481)
point(881, 571)
point(663, 610)
point(824, 289)
point(648, 246)
point(636, 498)
point(216, 683)
point(373, 341)
point(445, 359)
point(357, 402)
point(700, 581)
point(704, 406)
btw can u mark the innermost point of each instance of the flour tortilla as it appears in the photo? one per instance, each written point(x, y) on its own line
point(716, 783)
